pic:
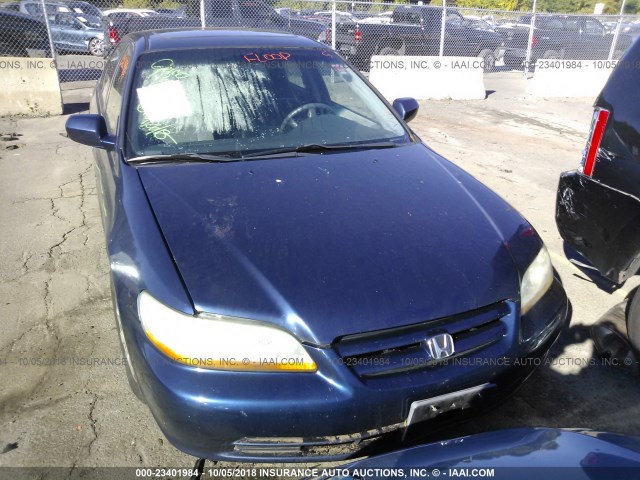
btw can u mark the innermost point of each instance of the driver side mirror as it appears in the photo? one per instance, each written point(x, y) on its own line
point(406, 107)
point(89, 130)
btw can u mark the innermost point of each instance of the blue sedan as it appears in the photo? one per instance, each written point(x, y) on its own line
point(77, 33)
point(294, 273)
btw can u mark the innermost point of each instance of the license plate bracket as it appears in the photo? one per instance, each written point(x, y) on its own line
point(422, 410)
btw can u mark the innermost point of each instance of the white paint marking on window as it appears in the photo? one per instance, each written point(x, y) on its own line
point(164, 101)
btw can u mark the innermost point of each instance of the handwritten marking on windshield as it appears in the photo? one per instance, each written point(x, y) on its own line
point(157, 130)
point(266, 57)
point(167, 69)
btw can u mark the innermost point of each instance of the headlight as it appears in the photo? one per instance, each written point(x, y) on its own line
point(536, 280)
point(220, 342)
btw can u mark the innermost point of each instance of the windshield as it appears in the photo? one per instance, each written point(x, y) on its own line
point(240, 101)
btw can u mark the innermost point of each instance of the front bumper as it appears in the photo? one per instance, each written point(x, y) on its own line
point(333, 413)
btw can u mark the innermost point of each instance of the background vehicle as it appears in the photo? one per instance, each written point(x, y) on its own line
point(559, 36)
point(129, 13)
point(415, 30)
point(479, 23)
point(85, 8)
point(33, 7)
point(598, 206)
point(288, 12)
point(327, 16)
point(219, 13)
point(22, 35)
point(77, 33)
point(277, 191)
point(175, 12)
point(632, 29)
point(15, 6)
point(384, 17)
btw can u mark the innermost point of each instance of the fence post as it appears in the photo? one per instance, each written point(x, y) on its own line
point(443, 26)
point(202, 15)
point(54, 54)
point(614, 42)
point(527, 59)
point(333, 24)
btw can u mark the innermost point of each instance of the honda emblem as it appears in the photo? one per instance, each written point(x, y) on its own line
point(440, 346)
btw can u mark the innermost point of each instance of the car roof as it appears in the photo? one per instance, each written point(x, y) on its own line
point(47, 2)
point(219, 37)
point(129, 10)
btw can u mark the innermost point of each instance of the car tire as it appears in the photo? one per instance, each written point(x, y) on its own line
point(96, 47)
point(489, 59)
point(388, 51)
point(633, 320)
point(611, 340)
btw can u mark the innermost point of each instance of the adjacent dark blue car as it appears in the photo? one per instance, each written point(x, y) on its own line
point(294, 272)
point(518, 453)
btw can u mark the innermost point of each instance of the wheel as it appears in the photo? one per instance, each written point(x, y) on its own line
point(388, 51)
point(550, 54)
point(96, 47)
point(311, 107)
point(611, 339)
point(489, 60)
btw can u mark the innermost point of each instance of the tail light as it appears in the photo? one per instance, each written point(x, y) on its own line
point(598, 126)
point(357, 36)
point(534, 40)
point(327, 36)
point(114, 36)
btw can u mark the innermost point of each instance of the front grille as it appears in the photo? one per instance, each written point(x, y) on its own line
point(397, 350)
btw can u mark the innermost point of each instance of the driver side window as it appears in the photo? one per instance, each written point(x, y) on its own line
point(120, 65)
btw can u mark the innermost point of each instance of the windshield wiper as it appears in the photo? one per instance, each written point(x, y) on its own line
point(319, 148)
point(204, 158)
point(183, 158)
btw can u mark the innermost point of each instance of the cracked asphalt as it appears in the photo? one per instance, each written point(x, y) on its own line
point(64, 398)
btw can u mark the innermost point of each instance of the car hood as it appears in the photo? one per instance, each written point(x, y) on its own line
point(330, 245)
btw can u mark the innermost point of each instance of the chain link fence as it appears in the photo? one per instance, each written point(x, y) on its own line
point(82, 33)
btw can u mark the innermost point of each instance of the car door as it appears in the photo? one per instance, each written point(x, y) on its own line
point(411, 25)
point(459, 40)
point(58, 30)
point(67, 32)
point(76, 32)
